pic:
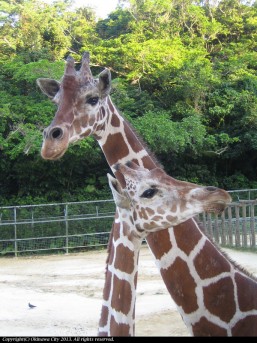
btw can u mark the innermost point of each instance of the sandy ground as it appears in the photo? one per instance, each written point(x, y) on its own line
point(67, 291)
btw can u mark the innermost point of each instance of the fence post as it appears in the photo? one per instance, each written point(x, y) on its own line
point(223, 233)
point(210, 230)
point(230, 232)
point(237, 233)
point(204, 222)
point(66, 229)
point(216, 229)
point(15, 231)
point(252, 225)
point(244, 230)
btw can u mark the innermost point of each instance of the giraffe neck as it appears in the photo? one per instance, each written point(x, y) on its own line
point(119, 295)
point(207, 288)
point(120, 143)
point(213, 295)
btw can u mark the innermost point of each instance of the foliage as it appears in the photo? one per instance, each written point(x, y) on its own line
point(184, 74)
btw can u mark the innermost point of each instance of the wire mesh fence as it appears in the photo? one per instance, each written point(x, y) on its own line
point(78, 226)
point(48, 227)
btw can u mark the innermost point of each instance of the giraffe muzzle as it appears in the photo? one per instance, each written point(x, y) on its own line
point(55, 143)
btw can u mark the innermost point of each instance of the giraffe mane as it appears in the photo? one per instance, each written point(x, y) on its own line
point(144, 144)
point(235, 264)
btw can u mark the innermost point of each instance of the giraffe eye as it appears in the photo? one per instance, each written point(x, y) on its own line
point(92, 101)
point(149, 193)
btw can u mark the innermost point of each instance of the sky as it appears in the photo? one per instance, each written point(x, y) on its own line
point(102, 7)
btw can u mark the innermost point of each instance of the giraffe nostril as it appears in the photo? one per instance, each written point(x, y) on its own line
point(56, 133)
point(211, 188)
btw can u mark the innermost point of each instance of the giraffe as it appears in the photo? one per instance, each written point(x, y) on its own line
point(84, 108)
point(215, 297)
point(184, 200)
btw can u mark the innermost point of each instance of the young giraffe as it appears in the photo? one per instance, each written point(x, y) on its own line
point(184, 201)
point(214, 296)
point(85, 108)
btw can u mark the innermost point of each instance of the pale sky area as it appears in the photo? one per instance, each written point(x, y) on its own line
point(101, 7)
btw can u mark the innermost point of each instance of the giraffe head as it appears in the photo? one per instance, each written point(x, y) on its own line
point(81, 106)
point(153, 200)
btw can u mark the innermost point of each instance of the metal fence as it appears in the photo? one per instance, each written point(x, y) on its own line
point(243, 194)
point(78, 226)
point(63, 227)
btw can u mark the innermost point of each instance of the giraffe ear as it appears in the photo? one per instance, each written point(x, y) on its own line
point(119, 195)
point(105, 82)
point(48, 86)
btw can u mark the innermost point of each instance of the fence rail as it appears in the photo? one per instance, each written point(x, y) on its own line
point(77, 226)
point(55, 227)
point(235, 227)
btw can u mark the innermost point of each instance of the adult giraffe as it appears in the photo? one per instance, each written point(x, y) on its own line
point(214, 296)
point(85, 108)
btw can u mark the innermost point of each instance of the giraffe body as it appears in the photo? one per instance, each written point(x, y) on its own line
point(85, 108)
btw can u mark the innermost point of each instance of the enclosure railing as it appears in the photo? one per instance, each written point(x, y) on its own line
point(235, 227)
point(55, 227)
point(78, 226)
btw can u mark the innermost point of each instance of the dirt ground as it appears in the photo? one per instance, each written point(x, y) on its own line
point(67, 291)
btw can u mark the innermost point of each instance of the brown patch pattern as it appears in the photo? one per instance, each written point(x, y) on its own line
point(138, 228)
point(113, 153)
point(104, 316)
point(125, 262)
point(246, 293)
point(246, 327)
point(205, 328)
point(170, 218)
point(157, 218)
point(107, 287)
point(216, 295)
point(118, 301)
point(132, 139)
point(115, 121)
point(160, 243)
point(148, 163)
point(116, 232)
point(209, 262)
point(181, 286)
point(160, 210)
point(86, 133)
point(142, 214)
point(149, 226)
point(187, 236)
point(150, 211)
